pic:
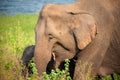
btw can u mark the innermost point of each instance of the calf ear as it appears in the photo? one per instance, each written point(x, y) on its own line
point(84, 29)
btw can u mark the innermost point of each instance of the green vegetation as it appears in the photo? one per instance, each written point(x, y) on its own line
point(58, 74)
point(17, 32)
point(34, 73)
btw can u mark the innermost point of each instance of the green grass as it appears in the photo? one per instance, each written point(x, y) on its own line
point(17, 32)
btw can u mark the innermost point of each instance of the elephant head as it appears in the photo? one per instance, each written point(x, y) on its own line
point(63, 31)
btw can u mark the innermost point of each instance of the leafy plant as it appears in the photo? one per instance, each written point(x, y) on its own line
point(34, 72)
point(59, 74)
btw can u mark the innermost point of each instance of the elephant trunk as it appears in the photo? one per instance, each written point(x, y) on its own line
point(43, 54)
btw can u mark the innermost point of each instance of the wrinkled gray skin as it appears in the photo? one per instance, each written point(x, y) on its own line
point(87, 29)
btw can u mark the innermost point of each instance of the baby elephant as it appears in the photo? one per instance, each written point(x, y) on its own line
point(28, 54)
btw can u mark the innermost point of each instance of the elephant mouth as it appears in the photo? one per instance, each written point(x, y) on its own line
point(59, 49)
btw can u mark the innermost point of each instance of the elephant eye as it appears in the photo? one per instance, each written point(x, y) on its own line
point(50, 37)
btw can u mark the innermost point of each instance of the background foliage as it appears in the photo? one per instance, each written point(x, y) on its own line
point(16, 32)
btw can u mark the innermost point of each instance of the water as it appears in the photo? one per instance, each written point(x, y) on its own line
point(26, 6)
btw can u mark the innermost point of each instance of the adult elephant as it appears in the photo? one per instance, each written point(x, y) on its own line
point(87, 29)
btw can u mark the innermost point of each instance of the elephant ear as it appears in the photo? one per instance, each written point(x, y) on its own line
point(84, 28)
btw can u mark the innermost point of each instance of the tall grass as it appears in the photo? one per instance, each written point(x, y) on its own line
point(16, 32)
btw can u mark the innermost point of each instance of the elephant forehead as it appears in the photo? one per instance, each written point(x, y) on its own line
point(56, 27)
point(52, 10)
